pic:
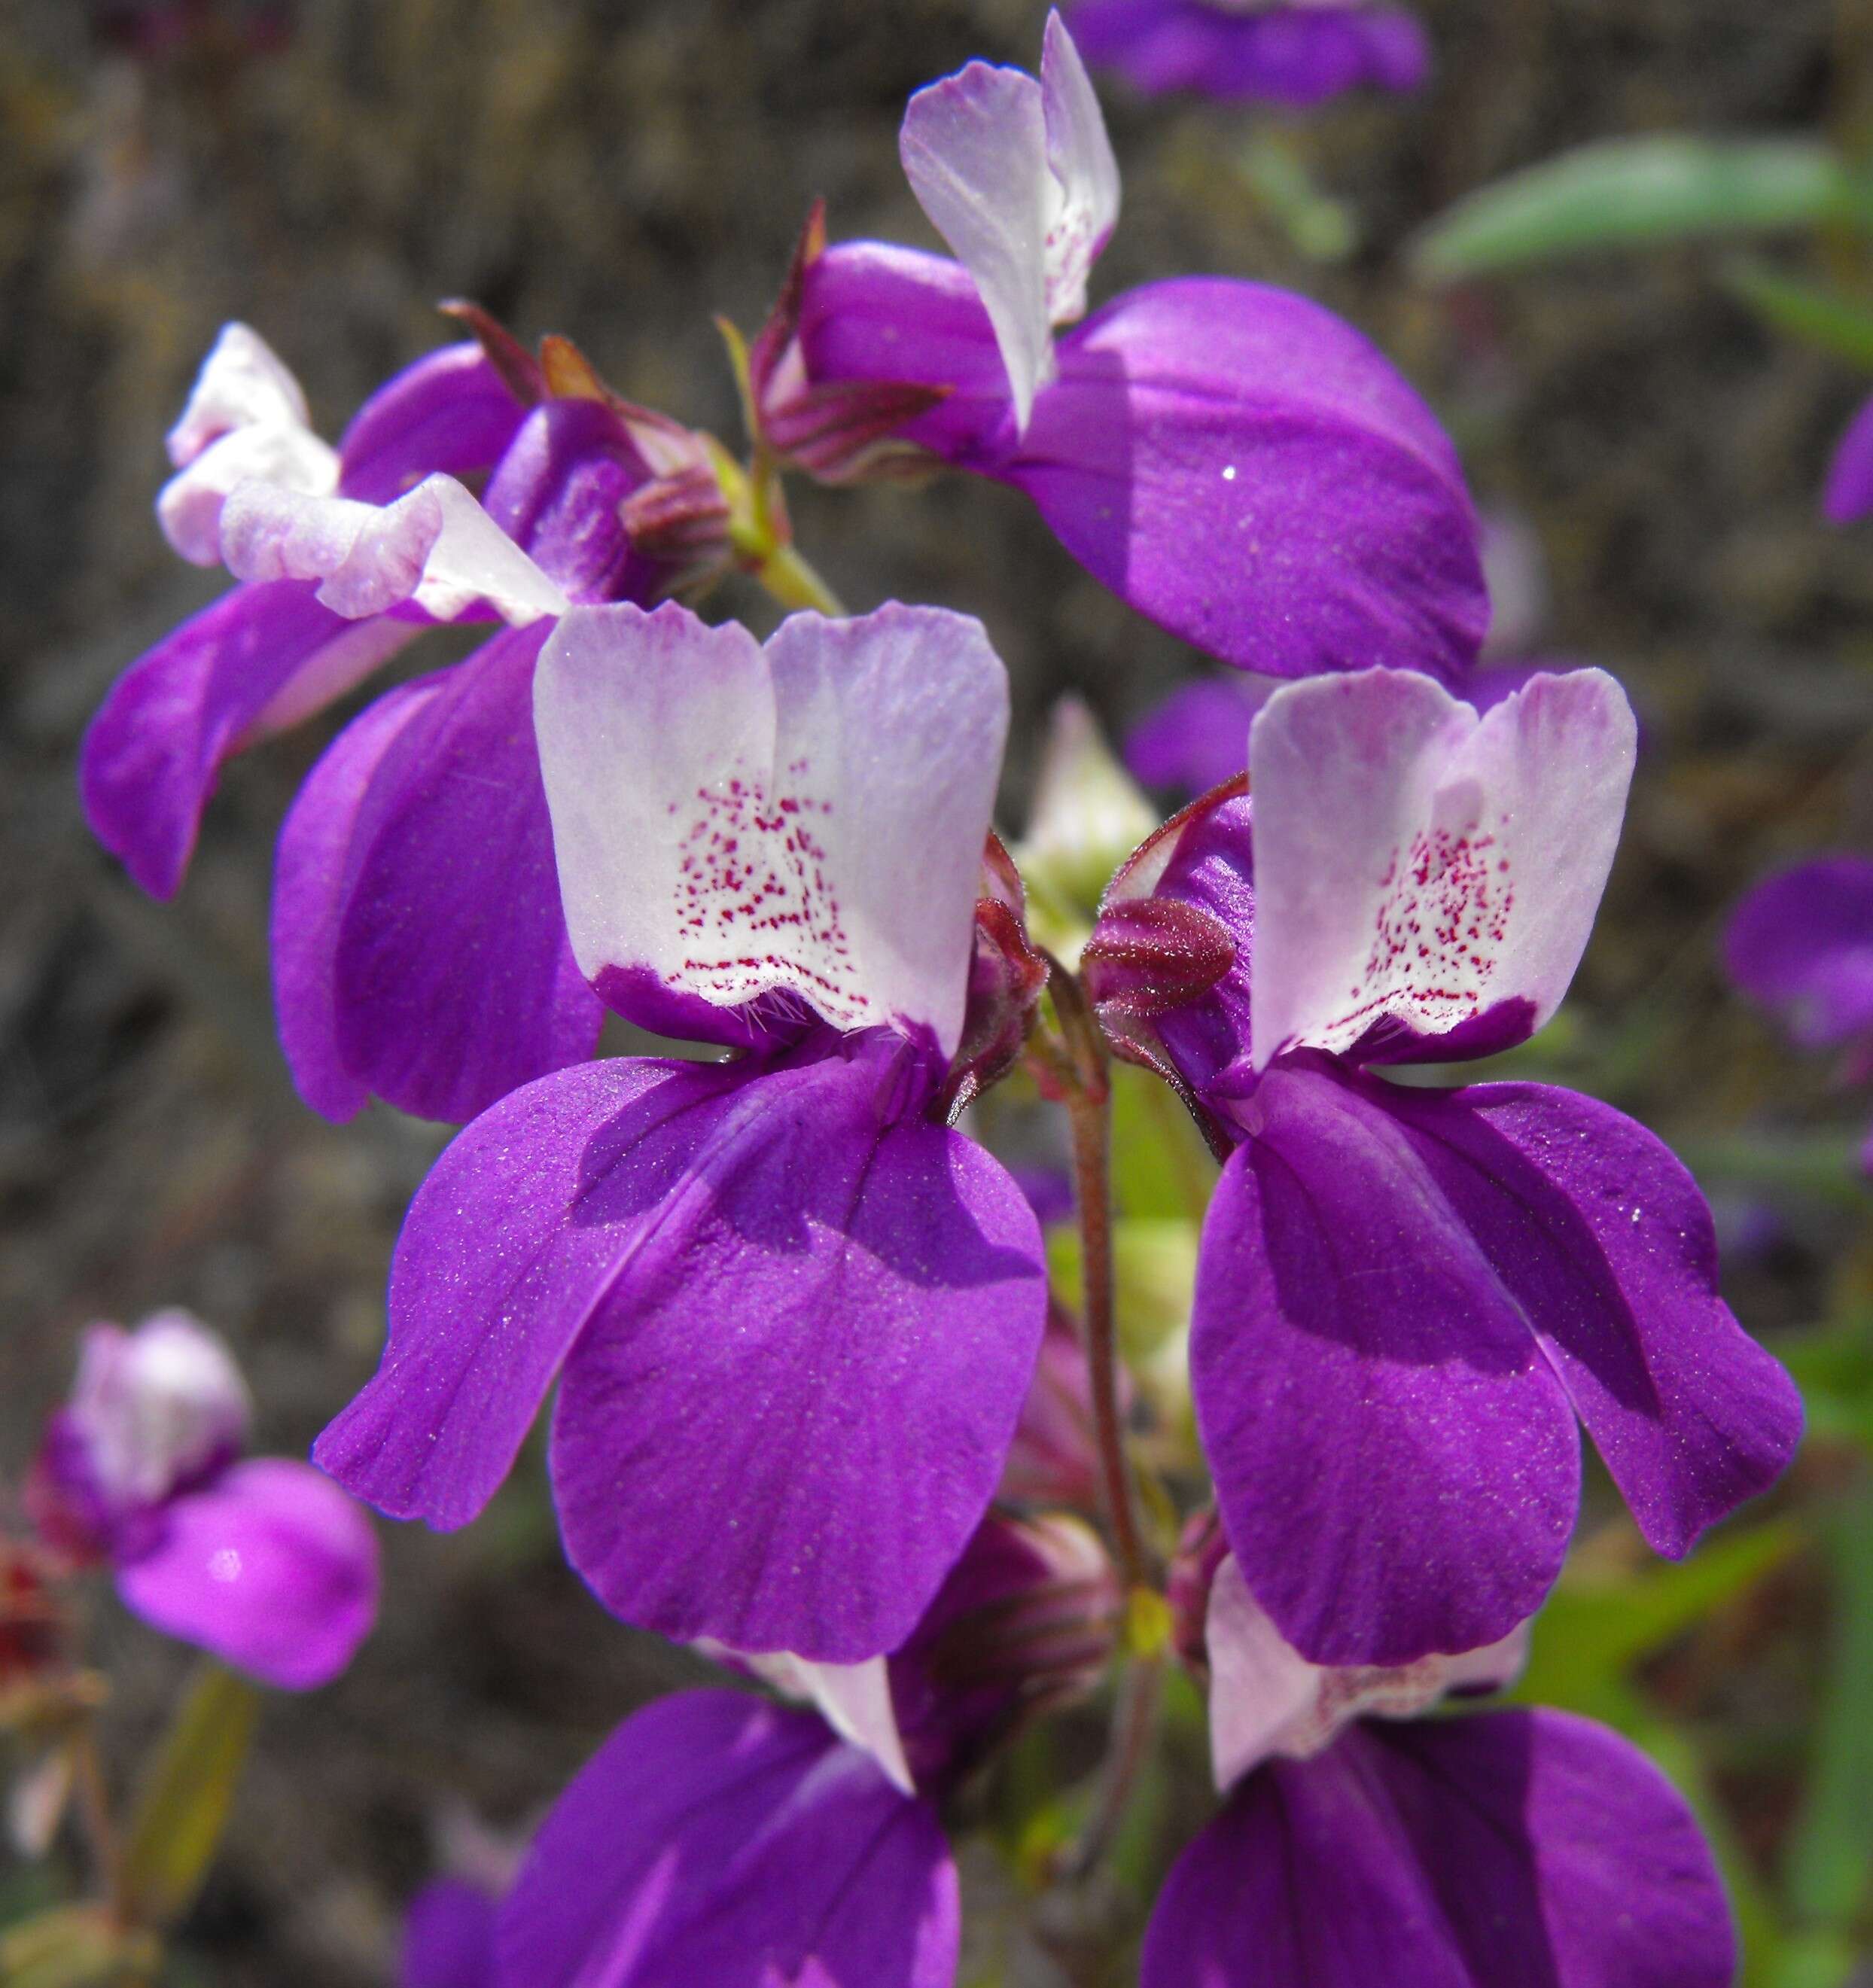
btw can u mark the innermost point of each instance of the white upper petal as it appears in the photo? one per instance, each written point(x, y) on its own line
point(975, 149)
point(435, 546)
point(157, 1405)
point(243, 383)
point(1414, 861)
point(854, 1700)
point(809, 819)
point(1266, 1699)
point(1083, 172)
point(1019, 177)
point(189, 506)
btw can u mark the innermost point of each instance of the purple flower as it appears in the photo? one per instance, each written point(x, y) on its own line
point(411, 958)
point(1197, 737)
point(448, 1938)
point(266, 1563)
point(1405, 1297)
point(1849, 493)
point(717, 1838)
point(794, 1316)
point(1509, 1846)
point(1232, 461)
point(1291, 52)
point(1801, 944)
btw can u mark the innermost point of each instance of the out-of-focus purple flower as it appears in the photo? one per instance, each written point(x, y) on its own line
point(419, 950)
point(716, 1838)
point(1353, 1848)
point(1849, 493)
point(1232, 461)
point(448, 1938)
point(266, 1562)
point(1405, 1297)
point(1801, 943)
point(1292, 52)
point(793, 1315)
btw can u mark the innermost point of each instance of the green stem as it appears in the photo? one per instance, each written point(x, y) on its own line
point(1134, 1723)
point(794, 583)
point(1089, 1117)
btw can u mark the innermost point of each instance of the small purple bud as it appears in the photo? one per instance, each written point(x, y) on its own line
point(839, 431)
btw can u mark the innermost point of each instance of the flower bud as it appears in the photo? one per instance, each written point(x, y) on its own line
point(1088, 815)
point(1026, 1622)
point(1007, 976)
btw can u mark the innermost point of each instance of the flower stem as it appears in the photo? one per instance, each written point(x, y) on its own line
point(1134, 1723)
point(1089, 1117)
point(794, 583)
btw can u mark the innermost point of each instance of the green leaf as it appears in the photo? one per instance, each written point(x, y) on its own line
point(74, 1946)
point(1831, 1855)
point(1624, 192)
point(187, 1794)
point(1595, 1627)
point(1160, 1167)
point(1809, 312)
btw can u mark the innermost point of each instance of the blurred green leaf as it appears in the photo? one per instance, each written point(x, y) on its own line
point(1160, 1167)
point(1596, 1627)
point(73, 1947)
point(1624, 192)
point(1831, 1853)
point(1806, 311)
point(1832, 1366)
point(183, 1806)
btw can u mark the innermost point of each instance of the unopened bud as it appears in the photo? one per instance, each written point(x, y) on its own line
point(1007, 976)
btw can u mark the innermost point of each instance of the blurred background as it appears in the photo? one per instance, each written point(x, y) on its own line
point(327, 170)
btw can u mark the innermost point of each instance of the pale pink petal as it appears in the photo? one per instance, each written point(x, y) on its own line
point(435, 547)
point(1085, 203)
point(1266, 1698)
point(975, 149)
point(1426, 878)
point(854, 1700)
point(243, 383)
point(736, 823)
point(189, 506)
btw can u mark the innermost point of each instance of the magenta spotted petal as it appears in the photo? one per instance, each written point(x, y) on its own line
point(1294, 54)
point(419, 949)
point(1530, 1847)
point(271, 1568)
point(717, 1839)
point(797, 1321)
point(1404, 1297)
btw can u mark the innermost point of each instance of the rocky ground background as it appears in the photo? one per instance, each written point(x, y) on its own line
point(619, 171)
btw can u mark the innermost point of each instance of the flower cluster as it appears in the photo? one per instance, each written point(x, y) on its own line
point(263, 1561)
point(817, 1411)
